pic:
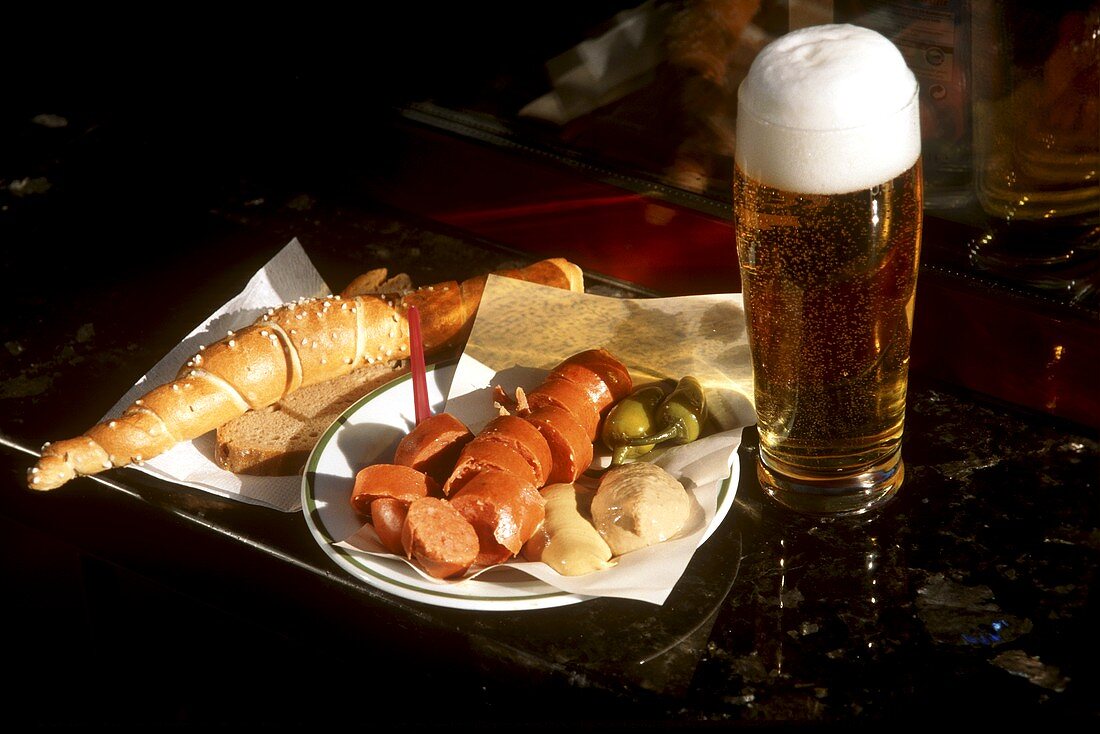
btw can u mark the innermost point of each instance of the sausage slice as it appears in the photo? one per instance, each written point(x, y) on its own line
point(599, 373)
point(439, 538)
point(388, 518)
point(389, 480)
point(524, 438)
point(482, 455)
point(504, 511)
point(569, 443)
point(433, 445)
point(570, 397)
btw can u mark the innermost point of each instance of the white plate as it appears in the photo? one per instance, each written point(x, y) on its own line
point(368, 432)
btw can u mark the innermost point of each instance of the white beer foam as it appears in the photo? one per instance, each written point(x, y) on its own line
point(828, 109)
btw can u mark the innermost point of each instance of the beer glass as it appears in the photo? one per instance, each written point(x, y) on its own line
point(828, 211)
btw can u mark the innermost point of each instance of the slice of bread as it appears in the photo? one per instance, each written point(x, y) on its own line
point(277, 440)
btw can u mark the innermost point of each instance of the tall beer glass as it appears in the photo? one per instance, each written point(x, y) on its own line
point(828, 210)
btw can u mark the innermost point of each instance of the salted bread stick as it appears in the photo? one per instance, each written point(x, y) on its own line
point(294, 345)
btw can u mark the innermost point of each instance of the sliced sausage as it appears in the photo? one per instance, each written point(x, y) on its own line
point(433, 445)
point(388, 518)
point(600, 373)
point(570, 397)
point(389, 480)
point(569, 443)
point(504, 511)
point(439, 538)
point(482, 455)
point(525, 438)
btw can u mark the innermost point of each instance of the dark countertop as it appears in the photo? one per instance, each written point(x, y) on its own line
point(969, 596)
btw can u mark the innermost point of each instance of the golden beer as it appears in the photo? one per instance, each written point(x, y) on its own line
point(829, 251)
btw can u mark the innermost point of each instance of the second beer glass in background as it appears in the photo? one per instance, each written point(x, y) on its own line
point(828, 204)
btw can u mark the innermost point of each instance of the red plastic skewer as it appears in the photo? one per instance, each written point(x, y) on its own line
point(419, 371)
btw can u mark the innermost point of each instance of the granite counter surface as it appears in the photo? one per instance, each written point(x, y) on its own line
point(969, 596)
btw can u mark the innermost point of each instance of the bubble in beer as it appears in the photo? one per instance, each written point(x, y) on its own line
point(828, 109)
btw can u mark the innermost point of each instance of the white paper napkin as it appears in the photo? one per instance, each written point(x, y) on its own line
point(289, 275)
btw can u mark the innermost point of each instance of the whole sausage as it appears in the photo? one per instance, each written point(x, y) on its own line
point(492, 479)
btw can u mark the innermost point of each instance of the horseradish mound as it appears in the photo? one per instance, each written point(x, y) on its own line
point(639, 505)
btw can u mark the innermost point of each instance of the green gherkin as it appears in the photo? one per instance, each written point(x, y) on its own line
point(631, 417)
point(679, 417)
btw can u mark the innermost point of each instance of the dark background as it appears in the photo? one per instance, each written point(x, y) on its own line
point(170, 114)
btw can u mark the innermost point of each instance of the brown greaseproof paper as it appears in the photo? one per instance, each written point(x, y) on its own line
point(523, 330)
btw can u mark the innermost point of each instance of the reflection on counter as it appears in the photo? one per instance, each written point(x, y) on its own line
point(938, 605)
point(1037, 135)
